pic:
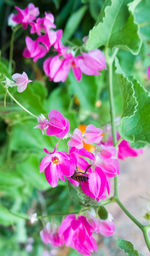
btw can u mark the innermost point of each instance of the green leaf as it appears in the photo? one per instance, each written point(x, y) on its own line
point(94, 7)
point(6, 217)
point(33, 97)
point(127, 247)
point(25, 137)
point(10, 179)
point(115, 28)
point(142, 18)
point(58, 99)
point(29, 170)
point(102, 213)
point(136, 110)
point(89, 85)
point(73, 22)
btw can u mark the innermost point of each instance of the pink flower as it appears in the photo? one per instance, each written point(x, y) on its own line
point(27, 15)
point(57, 124)
point(96, 185)
point(34, 49)
point(42, 123)
point(148, 72)
point(124, 148)
point(58, 43)
point(77, 233)
point(77, 156)
point(48, 39)
point(93, 134)
point(92, 62)
point(104, 167)
point(50, 235)
point(21, 81)
point(57, 165)
point(43, 24)
point(107, 160)
point(104, 227)
point(58, 67)
point(76, 139)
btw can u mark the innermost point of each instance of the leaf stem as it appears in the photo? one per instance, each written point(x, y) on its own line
point(11, 50)
point(21, 216)
point(112, 110)
point(12, 47)
point(20, 105)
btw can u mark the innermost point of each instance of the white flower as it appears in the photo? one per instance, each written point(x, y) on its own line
point(33, 218)
point(11, 22)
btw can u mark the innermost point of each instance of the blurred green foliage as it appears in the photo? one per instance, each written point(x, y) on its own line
point(22, 188)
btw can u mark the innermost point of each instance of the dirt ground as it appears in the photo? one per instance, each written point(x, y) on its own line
point(134, 187)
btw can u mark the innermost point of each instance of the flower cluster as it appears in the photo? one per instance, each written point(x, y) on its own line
point(98, 166)
point(58, 66)
point(91, 168)
point(77, 232)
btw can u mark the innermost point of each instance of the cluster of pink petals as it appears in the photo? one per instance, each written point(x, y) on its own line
point(104, 227)
point(21, 81)
point(57, 67)
point(92, 135)
point(26, 16)
point(105, 166)
point(56, 125)
point(104, 162)
point(42, 123)
point(77, 233)
point(43, 24)
point(124, 148)
point(49, 235)
point(57, 165)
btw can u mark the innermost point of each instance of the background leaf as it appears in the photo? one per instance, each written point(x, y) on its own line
point(115, 27)
point(73, 22)
point(127, 247)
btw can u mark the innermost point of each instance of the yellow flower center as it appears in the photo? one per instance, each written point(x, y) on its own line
point(55, 160)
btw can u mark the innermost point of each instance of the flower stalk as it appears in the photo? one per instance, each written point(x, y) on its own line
point(112, 110)
point(19, 104)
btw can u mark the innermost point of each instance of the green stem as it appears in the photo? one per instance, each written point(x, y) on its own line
point(24, 217)
point(26, 110)
point(146, 237)
point(11, 50)
point(129, 214)
point(58, 214)
point(112, 110)
point(12, 46)
point(144, 229)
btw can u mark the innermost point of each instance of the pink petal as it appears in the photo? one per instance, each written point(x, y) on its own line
point(52, 175)
point(107, 228)
point(44, 163)
point(94, 183)
point(148, 72)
